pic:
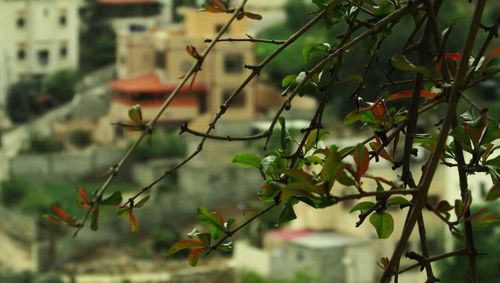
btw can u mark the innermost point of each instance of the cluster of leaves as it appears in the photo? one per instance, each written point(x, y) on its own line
point(202, 243)
point(221, 6)
point(88, 201)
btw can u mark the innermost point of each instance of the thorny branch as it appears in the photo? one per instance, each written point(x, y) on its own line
point(463, 78)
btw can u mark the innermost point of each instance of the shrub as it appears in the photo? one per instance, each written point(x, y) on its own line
point(21, 100)
point(161, 146)
point(13, 191)
point(61, 86)
point(43, 144)
point(80, 138)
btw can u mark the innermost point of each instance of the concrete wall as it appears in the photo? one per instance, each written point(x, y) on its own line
point(65, 165)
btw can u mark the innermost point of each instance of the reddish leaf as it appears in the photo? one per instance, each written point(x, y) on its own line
point(253, 16)
point(453, 56)
point(474, 134)
point(184, 244)
point(84, 201)
point(376, 145)
point(378, 108)
point(362, 160)
point(218, 5)
point(194, 255)
point(134, 224)
point(488, 219)
point(52, 219)
point(493, 52)
point(409, 94)
point(191, 50)
point(384, 262)
point(60, 213)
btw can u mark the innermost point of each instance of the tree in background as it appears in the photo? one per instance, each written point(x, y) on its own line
point(97, 39)
point(61, 86)
point(21, 100)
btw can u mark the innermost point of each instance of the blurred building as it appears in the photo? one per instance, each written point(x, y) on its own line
point(38, 38)
point(135, 15)
point(151, 62)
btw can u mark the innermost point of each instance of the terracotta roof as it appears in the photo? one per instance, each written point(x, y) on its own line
point(125, 2)
point(178, 101)
point(288, 235)
point(151, 83)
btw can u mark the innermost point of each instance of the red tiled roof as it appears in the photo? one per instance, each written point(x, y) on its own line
point(125, 2)
point(152, 84)
point(288, 235)
point(178, 101)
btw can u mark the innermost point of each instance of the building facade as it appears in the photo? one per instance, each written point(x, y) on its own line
point(39, 37)
point(150, 63)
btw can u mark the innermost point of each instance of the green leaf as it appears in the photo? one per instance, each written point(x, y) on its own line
point(226, 247)
point(287, 214)
point(141, 203)
point(362, 206)
point(288, 80)
point(205, 238)
point(493, 162)
point(321, 3)
point(229, 223)
point(361, 159)
point(269, 191)
point(247, 160)
point(401, 63)
point(351, 118)
point(314, 136)
point(122, 211)
point(184, 244)
point(383, 224)
point(210, 219)
point(268, 165)
point(314, 48)
point(135, 113)
point(401, 201)
point(114, 199)
point(345, 180)
point(494, 193)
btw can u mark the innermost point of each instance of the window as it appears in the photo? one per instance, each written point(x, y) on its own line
point(63, 20)
point(238, 101)
point(21, 54)
point(160, 59)
point(63, 51)
point(233, 63)
point(20, 22)
point(43, 57)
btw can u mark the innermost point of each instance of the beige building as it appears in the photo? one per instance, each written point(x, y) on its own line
point(150, 63)
point(38, 38)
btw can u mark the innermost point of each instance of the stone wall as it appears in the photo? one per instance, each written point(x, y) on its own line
point(66, 165)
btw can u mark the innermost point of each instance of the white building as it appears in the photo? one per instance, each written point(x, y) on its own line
point(39, 37)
